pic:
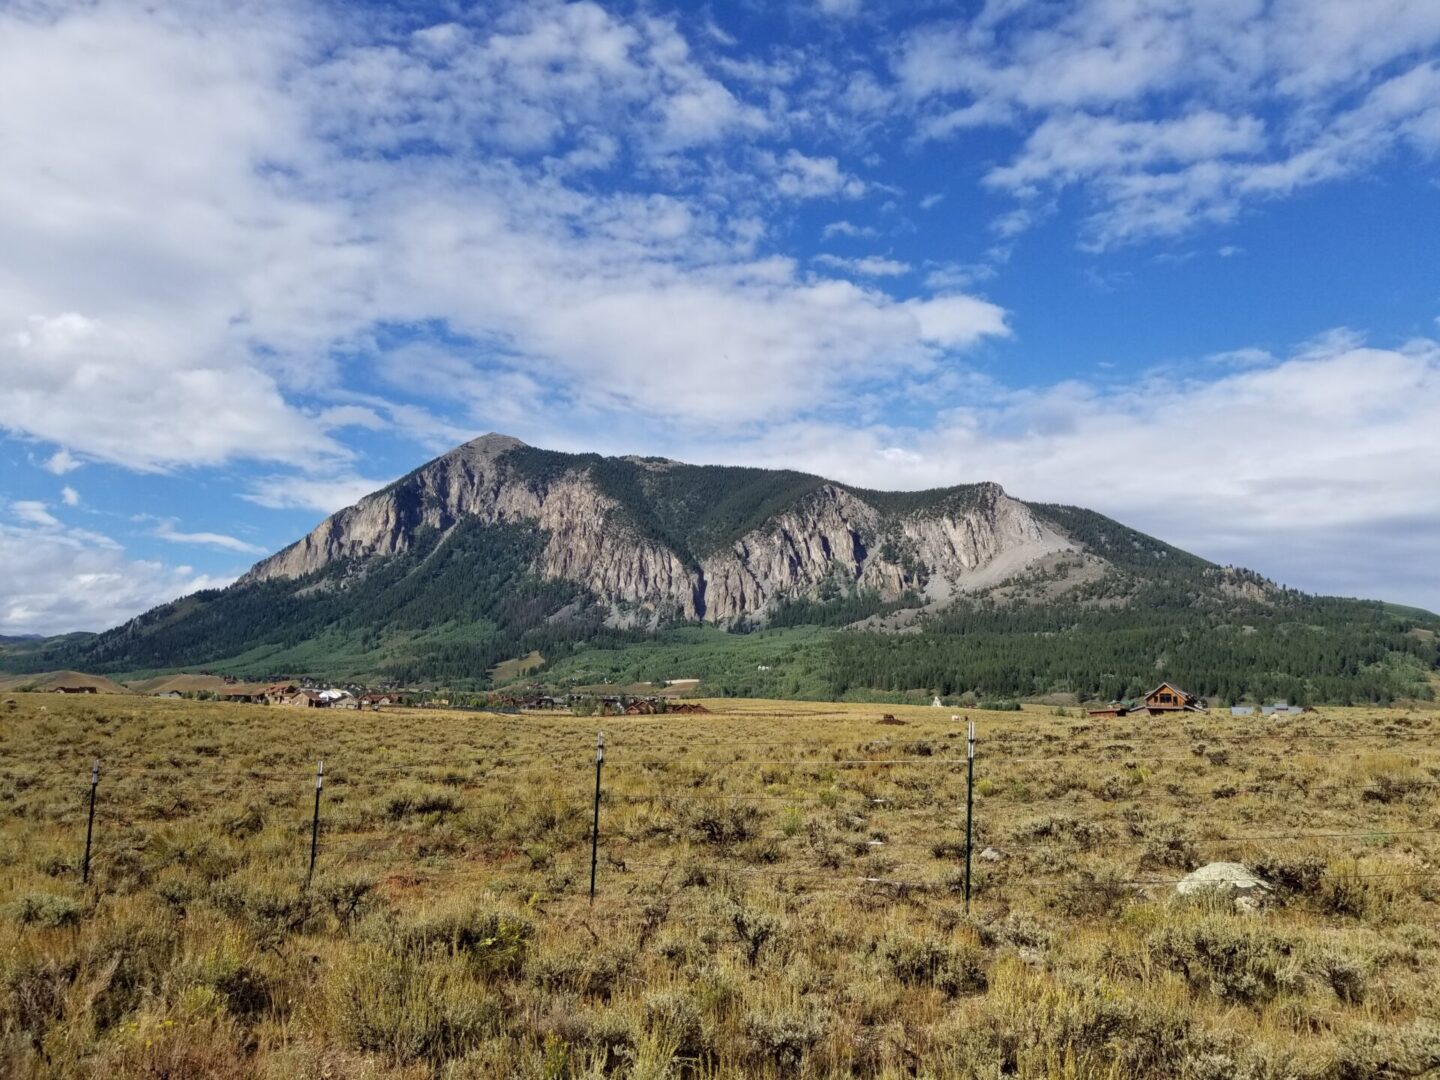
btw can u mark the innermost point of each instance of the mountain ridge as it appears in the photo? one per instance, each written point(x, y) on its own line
point(630, 530)
point(496, 549)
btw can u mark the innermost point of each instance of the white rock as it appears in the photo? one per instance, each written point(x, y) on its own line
point(1226, 879)
point(991, 855)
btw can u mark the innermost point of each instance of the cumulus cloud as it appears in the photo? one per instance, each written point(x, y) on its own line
point(61, 462)
point(74, 380)
point(800, 177)
point(57, 582)
point(267, 192)
point(69, 496)
point(846, 228)
point(1343, 85)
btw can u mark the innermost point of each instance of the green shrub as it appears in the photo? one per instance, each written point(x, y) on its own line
point(925, 961)
point(490, 941)
point(47, 909)
point(675, 1018)
point(234, 973)
point(410, 1007)
point(275, 906)
point(418, 802)
point(1237, 962)
point(724, 824)
point(1100, 893)
point(1377, 1053)
point(346, 895)
point(754, 929)
point(783, 1037)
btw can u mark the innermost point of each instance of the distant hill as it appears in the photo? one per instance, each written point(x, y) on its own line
point(50, 681)
point(180, 684)
point(498, 551)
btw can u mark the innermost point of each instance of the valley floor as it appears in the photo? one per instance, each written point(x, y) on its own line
point(779, 893)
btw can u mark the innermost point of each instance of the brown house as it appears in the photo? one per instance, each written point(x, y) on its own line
point(277, 693)
point(1169, 698)
point(1111, 711)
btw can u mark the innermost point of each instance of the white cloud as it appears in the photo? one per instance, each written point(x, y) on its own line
point(61, 462)
point(800, 177)
point(262, 193)
point(1250, 356)
point(166, 530)
point(310, 493)
point(846, 228)
point(866, 266)
point(69, 496)
point(34, 513)
point(56, 582)
point(1078, 146)
point(1155, 108)
point(76, 381)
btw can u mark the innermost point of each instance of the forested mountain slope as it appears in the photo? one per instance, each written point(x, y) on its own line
point(496, 549)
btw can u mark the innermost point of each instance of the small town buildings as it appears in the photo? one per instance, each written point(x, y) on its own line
point(306, 699)
point(1242, 710)
point(277, 693)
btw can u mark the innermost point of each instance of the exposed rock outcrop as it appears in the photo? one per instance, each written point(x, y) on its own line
point(829, 538)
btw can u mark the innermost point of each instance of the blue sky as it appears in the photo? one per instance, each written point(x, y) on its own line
point(1170, 259)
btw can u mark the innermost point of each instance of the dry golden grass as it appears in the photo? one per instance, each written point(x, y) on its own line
point(778, 894)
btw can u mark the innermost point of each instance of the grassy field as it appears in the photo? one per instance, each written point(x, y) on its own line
point(779, 894)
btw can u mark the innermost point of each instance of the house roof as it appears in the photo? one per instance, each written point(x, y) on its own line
point(1173, 687)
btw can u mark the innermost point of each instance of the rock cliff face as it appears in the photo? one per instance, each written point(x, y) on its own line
point(827, 538)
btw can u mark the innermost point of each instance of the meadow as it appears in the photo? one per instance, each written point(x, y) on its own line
point(780, 893)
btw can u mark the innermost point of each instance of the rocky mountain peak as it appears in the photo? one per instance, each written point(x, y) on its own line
point(489, 446)
point(654, 539)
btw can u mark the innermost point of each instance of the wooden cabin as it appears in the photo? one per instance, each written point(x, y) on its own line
point(1111, 711)
point(1169, 698)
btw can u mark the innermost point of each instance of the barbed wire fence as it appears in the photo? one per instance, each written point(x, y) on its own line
point(901, 880)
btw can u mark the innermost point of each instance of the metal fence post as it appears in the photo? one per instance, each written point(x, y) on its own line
point(315, 822)
point(90, 824)
point(595, 823)
point(969, 806)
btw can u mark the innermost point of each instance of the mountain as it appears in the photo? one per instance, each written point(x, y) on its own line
point(497, 548)
point(657, 540)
